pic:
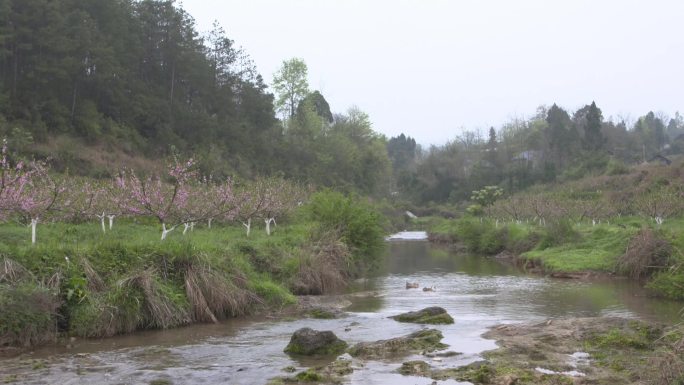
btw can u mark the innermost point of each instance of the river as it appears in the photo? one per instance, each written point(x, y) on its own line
point(478, 292)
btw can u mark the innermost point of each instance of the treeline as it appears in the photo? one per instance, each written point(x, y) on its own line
point(553, 145)
point(92, 84)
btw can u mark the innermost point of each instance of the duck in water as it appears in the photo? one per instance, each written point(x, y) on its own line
point(429, 288)
point(412, 285)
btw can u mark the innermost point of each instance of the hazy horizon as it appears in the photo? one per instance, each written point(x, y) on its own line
point(432, 68)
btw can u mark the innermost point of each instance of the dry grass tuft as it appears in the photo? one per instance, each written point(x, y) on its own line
point(159, 310)
point(95, 282)
point(645, 254)
point(669, 365)
point(323, 266)
point(12, 272)
point(213, 296)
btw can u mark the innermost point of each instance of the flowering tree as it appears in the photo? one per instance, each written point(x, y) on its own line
point(209, 200)
point(155, 197)
point(13, 178)
point(27, 191)
point(79, 199)
point(279, 198)
point(250, 202)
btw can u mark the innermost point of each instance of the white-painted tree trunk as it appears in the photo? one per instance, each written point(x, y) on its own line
point(186, 226)
point(209, 222)
point(166, 231)
point(102, 222)
point(111, 220)
point(268, 225)
point(248, 225)
point(192, 226)
point(34, 223)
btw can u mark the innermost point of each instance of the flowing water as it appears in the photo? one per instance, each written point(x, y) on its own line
point(478, 292)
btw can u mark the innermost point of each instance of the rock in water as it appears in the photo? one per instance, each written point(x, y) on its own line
point(307, 341)
point(430, 315)
point(427, 340)
point(415, 368)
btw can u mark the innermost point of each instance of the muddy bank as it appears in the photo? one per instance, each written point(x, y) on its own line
point(575, 351)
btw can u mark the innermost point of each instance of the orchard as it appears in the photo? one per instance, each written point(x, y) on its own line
point(31, 194)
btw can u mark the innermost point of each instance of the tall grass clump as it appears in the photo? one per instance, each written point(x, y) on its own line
point(669, 283)
point(322, 266)
point(668, 362)
point(28, 308)
point(214, 294)
point(358, 223)
point(115, 311)
point(28, 315)
point(646, 253)
point(162, 307)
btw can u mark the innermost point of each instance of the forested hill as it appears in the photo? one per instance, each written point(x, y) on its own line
point(134, 73)
point(96, 84)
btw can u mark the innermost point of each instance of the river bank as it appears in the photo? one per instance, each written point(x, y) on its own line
point(479, 293)
point(627, 247)
point(78, 281)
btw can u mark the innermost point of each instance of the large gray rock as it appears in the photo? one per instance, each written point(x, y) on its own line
point(307, 341)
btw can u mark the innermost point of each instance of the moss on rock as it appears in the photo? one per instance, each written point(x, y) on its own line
point(430, 315)
point(426, 340)
point(307, 341)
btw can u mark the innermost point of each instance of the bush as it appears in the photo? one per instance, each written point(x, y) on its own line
point(358, 223)
point(558, 233)
point(481, 237)
point(668, 283)
point(645, 254)
point(28, 315)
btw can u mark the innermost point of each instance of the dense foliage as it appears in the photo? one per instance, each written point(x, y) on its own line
point(95, 85)
point(551, 146)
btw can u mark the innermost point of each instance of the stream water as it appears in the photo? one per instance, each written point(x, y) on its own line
point(478, 292)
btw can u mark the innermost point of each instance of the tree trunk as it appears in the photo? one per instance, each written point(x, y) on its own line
point(209, 222)
point(73, 102)
point(111, 220)
point(34, 223)
point(248, 225)
point(102, 222)
point(173, 82)
point(166, 232)
point(186, 226)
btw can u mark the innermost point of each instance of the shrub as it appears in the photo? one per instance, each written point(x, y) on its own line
point(668, 283)
point(557, 233)
point(469, 231)
point(322, 267)
point(28, 315)
point(645, 254)
point(358, 223)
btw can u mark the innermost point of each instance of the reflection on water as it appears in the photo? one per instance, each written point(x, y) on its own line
point(478, 292)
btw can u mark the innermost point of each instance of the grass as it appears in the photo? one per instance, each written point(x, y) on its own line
point(82, 282)
point(597, 249)
point(616, 247)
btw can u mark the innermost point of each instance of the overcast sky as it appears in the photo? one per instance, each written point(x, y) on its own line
point(431, 68)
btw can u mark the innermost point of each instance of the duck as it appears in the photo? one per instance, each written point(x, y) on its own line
point(412, 285)
point(429, 288)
